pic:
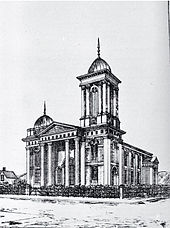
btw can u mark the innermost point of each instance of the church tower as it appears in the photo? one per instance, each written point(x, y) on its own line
point(101, 124)
point(99, 95)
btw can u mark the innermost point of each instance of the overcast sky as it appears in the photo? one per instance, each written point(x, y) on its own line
point(45, 45)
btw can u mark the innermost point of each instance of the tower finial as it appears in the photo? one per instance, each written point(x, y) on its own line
point(44, 108)
point(98, 48)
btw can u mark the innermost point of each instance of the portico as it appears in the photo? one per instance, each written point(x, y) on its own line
point(59, 158)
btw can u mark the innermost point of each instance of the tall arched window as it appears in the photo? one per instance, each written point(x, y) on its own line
point(94, 101)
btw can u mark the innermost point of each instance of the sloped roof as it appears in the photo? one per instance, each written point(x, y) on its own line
point(9, 174)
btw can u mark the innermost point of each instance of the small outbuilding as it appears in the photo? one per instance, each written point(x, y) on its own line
point(7, 176)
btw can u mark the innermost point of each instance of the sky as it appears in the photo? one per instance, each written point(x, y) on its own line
point(45, 45)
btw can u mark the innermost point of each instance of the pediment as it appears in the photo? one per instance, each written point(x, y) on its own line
point(56, 128)
point(155, 160)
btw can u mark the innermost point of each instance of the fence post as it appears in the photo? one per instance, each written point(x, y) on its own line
point(27, 190)
point(121, 191)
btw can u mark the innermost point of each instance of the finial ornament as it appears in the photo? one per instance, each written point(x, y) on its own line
point(98, 48)
point(44, 108)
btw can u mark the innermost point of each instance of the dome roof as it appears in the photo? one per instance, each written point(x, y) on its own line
point(43, 121)
point(99, 64)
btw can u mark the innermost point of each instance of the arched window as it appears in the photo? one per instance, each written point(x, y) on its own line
point(94, 101)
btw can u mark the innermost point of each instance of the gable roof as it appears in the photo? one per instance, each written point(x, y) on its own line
point(155, 160)
point(9, 174)
point(57, 127)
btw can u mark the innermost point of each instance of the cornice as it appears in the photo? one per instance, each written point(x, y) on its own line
point(98, 73)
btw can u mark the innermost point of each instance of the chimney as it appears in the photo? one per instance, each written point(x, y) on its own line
point(4, 168)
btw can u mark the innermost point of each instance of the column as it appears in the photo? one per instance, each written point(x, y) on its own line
point(121, 170)
point(49, 163)
point(114, 106)
point(28, 164)
point(33, 174)
point(77, 165)
point(108, 97)
point(127, 177)
point(42, 164)
point(106, 161)
point(117, 103)
point(100, 99)
point(114, 102)
point(120, 164)
point(135, 169)
point(104, 97)
point(87, 101)
point(156, 176)
point(66, 162)
point(82, 101)
point(83, 163)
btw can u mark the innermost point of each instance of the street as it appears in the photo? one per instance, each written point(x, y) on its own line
point(35, 211)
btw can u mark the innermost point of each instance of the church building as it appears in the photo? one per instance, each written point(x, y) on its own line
point(93, 153)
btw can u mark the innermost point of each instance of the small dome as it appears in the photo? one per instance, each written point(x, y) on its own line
point(99, 64)
point(43, 121)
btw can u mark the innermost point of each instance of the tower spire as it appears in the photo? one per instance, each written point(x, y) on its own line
point(98, 48)
point(44, 108)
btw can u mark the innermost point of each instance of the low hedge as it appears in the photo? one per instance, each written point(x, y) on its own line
point(16, 188)
point(97, 191)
